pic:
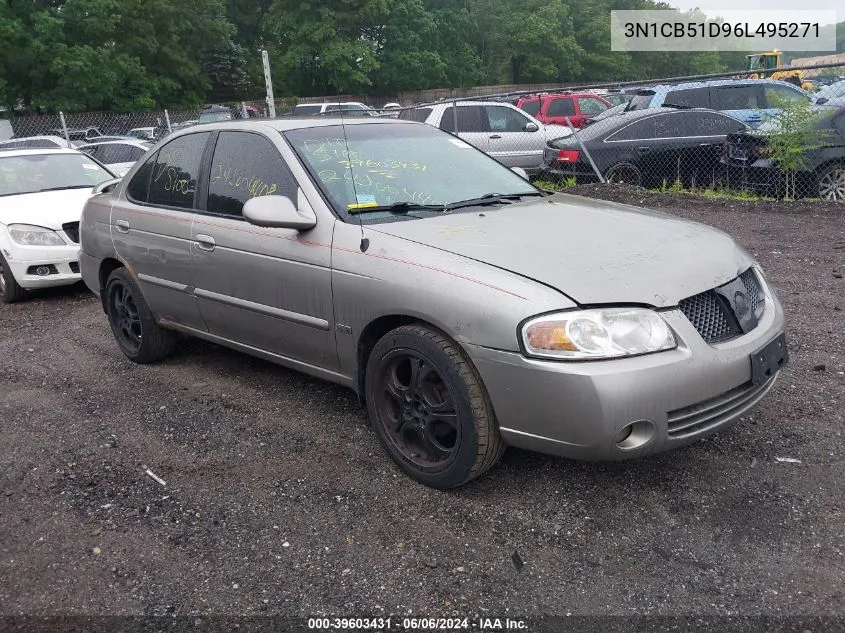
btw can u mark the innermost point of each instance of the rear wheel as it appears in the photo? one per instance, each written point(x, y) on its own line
point(429, 408)
point(10, 289)
point(832, 183)
point(132, 322)
point(624, 173)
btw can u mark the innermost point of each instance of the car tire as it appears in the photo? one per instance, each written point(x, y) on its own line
point(10, 290)
point(429, 408)
point(132, 322)
point(624, 173)
point(831, 182)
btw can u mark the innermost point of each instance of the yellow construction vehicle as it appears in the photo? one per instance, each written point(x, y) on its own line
point(766, 65)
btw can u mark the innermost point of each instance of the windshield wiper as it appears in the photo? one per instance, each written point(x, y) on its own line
point(67, 187)
point(490, 198)
point(398, 208)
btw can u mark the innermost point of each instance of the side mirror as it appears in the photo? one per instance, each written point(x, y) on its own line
point(107, 186)
point(822, 100)
point(520, 171)
point(278, 212)
point(531, 127)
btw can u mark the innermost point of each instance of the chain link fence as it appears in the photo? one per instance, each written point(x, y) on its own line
point(722, 132)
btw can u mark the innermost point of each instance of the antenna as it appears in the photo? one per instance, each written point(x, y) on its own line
point(365, 243)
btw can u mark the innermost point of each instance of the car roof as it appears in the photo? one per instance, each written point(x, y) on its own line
point(40, 137)
point(127, 141)
point(37, 152)
point(715, 82)
point(287, 123)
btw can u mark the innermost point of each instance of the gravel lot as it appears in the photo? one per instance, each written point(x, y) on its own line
point(279, 500)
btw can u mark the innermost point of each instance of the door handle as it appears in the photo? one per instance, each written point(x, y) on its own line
point(122, 226)
point(496, 136)
point(205, 242)
point(643, 150)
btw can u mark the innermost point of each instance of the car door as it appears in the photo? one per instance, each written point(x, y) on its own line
point(512, 141)
point(472, 124)
point(267, 288)
point(151, 227)
point(742, 101)
point(557, 110)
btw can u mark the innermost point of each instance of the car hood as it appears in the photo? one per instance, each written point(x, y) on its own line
point(593, 251)
point(49, 209)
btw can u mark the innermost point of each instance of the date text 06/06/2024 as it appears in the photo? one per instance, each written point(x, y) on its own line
point(417, 624)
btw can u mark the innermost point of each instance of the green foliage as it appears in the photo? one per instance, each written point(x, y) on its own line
point(135, 54)
point(795, 135)
point(108, 54)
point(554, 185)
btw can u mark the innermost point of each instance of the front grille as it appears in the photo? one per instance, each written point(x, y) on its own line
point(71, 229)
point(713, 317)
point(709, 316)
point(755, 292)
point(74, 267)
point(707, 415)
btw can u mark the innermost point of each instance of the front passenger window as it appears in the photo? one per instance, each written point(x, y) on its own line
point(246, 165)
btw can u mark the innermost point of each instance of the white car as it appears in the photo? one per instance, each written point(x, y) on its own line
point(347, 108)
point(35, 142)
point(118, 156)
point(511, 136)
point(42, 192)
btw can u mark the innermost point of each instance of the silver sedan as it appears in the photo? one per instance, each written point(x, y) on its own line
point(469, 310)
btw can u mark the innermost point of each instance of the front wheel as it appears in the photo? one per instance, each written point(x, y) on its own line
point(10, 290)
point(832, 183)
point(429, 408)
point(132, 322)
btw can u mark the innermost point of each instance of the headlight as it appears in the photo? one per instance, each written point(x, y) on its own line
point(34, 235)
point(595, 334)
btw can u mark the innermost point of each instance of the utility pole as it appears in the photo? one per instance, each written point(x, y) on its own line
point(271, 104)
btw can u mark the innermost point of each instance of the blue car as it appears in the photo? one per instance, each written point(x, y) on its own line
point(749, 100)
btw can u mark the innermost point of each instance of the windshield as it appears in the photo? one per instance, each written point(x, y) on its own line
point(381, 165)
point(46, 172)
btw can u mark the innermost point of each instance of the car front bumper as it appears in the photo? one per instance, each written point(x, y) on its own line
point(576, 409)
point(64, 259)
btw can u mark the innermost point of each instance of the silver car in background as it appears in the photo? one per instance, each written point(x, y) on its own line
point(468, 309)
point(511, 136)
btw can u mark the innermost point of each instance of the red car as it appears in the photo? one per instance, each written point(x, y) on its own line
point(552, 108)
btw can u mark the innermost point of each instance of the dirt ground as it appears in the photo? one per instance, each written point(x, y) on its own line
point(279, 500)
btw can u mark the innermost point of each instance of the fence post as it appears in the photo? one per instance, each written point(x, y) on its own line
point(167, 118)
point(64, 128)
point(584, 149)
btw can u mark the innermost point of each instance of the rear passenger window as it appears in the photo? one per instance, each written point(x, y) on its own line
point(139, 186)
point(738, 98)
point(174, 177)
point(246, 166)
point(531, 107)
point(416, 114)
point(688, 98)
point(561, 107)
point(470, 119)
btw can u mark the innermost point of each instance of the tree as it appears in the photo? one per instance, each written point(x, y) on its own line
point(329, 48)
